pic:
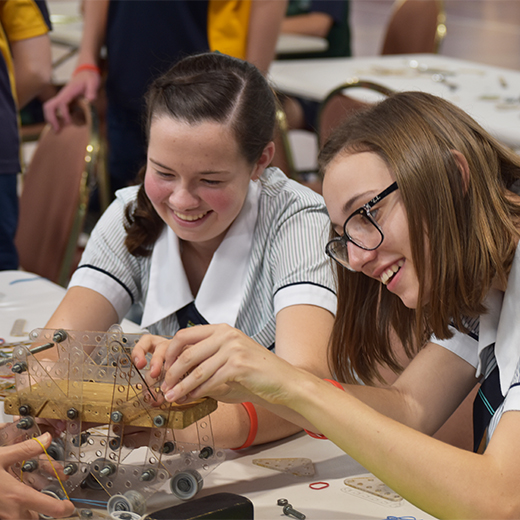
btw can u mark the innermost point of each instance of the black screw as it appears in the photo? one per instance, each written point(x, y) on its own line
point(168, 447)
point(25, 409)
point(282, 502)
point(206, 452)
point(59, 336)
point(289, 511)
point(25, 423)
point(18, 368)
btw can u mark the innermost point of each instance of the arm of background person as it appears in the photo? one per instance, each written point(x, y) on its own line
point(265, 23)
point(32, 67)
point(309, 24)
point(86, 82)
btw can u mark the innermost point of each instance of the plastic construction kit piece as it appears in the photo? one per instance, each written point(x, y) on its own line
point(373, 486)
point(299, 467)
point(103, 399)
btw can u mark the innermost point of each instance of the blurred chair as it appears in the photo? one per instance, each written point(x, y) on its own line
point(55, 195)
point(283, 158)
point(416, 26)
point(337, 105)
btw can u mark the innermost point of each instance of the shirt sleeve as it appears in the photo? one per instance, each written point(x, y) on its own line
point(106, 266)
point(301, 271)
point(24, 19)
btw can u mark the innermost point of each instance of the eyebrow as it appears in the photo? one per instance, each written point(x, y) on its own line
point(208, 172)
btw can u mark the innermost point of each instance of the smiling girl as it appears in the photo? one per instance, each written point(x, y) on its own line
point(425, 223)
point(213, 235)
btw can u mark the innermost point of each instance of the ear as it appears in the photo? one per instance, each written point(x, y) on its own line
point(463, 166)
point(264, 161)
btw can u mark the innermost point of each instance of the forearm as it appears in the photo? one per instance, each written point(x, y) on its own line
point(32, 67)
point(444, 481)
point(95, 16)
point(310, 24)
point(231, 426)
point(264, 27)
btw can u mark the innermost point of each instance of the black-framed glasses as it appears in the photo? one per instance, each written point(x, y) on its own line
point(360, 228)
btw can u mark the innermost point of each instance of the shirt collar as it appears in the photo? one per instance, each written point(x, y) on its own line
point(500, 324)
point(222, 288)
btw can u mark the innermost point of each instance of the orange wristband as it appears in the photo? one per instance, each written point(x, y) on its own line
point(253, 428)
point(86, 66)
point(320, 435)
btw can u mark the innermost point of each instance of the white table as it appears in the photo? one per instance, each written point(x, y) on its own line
point(34, 299)
point(265, 486)
point(491, 95)
point(300, 43)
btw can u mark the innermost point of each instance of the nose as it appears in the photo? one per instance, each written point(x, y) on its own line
point(358, 257)
point(183, 197)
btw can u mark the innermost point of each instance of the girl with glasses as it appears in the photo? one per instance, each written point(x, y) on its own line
point(213, 234)
point(425, 224)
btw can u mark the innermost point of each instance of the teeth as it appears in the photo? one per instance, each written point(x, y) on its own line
point(385, 277)
point(189, 218)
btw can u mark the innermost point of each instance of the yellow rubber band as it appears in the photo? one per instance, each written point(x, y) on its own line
point(52, 466)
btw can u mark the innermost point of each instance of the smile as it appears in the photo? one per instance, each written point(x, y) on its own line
point(189, 218)
point(387, 275)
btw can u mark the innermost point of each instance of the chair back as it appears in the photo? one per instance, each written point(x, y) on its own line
point(337, 105)
point(416, 26)
point(55, 194)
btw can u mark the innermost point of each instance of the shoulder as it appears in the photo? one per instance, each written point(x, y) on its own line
point(277, 188)
point(25, 19)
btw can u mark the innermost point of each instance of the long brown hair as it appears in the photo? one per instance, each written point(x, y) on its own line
point(469, 227)
point(204, 87)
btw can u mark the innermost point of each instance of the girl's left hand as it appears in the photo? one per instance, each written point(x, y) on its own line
point(221, 362)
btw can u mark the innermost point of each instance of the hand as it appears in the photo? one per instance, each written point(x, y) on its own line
point(57, 109)
point(224, 363)
point(19, 501)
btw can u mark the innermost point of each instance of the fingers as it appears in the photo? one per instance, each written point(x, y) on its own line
point(9, 455)
point(154, 344)
point(44, 504)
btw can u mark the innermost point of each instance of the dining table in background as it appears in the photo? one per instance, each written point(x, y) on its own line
point(491, 95)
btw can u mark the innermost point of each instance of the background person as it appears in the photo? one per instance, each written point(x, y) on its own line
point(25, 70)
point(143, 39)
point(426, 224)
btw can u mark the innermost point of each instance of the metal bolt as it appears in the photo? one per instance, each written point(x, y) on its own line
point(282, 502)
point(206, 452)
point(289, 511)
point(25, 423)
point(30, 465)
point(116, 416)
point(72, 413)
point(24, 409)
point(59, 336)
point(108, 470)
point(147, 476)
point(168, 447)
point(159, 421)
point(18, 368)
point(86, 513)
point(70, 469)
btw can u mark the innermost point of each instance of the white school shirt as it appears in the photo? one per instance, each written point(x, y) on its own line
point(272, 257)
point(500, 325)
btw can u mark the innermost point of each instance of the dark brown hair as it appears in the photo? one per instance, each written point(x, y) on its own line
point(469, 227)
point(204, 87)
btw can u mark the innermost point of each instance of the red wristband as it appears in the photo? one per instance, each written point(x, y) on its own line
point(86, 66)
point(320, 435)
point(253, 428)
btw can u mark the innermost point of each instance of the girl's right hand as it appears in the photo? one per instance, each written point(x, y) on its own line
point(222, 362)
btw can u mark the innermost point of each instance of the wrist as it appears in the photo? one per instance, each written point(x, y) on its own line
point(253, 426)
point(87, 67)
